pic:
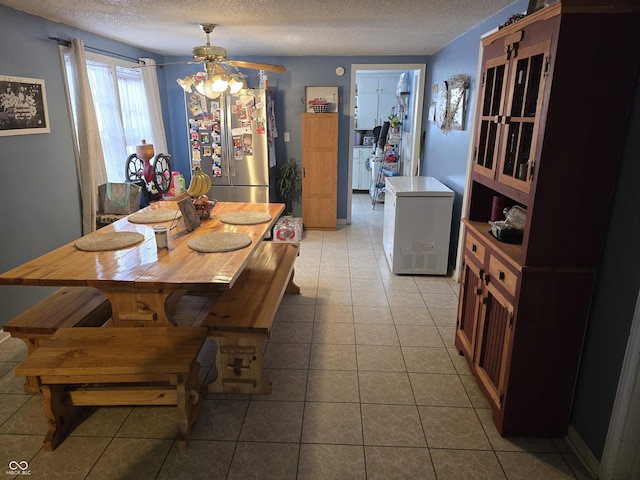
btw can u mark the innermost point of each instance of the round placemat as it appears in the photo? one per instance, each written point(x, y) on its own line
point(154, 216)
point(219, 242)
point(245, 218)
point(99, 242)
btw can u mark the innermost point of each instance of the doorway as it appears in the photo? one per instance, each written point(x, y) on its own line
point(411, 144)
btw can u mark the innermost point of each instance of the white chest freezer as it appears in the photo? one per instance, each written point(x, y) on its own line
point(417, 225)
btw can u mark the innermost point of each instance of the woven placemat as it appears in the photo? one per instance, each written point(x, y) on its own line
point(154, 216)
point(219, 242)
point(100, 242)
point(245, 218)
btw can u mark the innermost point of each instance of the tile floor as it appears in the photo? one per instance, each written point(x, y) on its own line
point(366, 385)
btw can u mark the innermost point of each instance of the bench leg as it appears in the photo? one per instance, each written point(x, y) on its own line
point(31, 384)
point(239, 363)
point(291, 286)
point(60, 414)
point(190, 394)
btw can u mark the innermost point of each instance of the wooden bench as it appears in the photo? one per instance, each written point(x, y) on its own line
point(242, 317)
point(66, 307)
point(117, 366)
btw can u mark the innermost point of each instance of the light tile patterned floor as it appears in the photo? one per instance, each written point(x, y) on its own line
point(366, 385)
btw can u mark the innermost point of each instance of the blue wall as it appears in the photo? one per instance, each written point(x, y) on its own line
point(614, 300)
point(445, 156)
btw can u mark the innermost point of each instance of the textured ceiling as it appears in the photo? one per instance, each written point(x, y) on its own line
point(273, 27)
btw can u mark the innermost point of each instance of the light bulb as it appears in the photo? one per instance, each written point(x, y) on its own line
point(206, 88)
point(235, 86)
point(219, 83)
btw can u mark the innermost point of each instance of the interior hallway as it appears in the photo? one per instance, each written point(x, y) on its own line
point(366, 385)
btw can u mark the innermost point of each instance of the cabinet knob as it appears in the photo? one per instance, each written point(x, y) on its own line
point(474, 247)
point(501, 275)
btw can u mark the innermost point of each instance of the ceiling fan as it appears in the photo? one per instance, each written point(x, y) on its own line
point(208, 52)
point(220, 73)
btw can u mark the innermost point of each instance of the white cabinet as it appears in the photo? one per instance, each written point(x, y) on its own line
point(376, 97)
point(417, 225)
point(361, 175)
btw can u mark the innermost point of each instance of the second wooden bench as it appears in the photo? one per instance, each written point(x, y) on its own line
point(242, 318)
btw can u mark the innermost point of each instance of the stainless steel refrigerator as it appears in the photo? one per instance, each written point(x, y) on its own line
point(229, 139)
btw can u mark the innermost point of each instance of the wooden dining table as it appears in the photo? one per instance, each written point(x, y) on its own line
point(143, 281)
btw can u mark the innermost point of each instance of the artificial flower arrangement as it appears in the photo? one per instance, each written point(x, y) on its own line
point(394, 121)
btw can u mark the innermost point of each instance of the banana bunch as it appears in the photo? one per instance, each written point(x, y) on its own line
point(200, 183)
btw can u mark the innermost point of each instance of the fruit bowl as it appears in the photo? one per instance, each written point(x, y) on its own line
point(204, 206)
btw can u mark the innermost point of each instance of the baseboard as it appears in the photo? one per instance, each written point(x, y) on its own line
point(4, 336)
point(583, 452)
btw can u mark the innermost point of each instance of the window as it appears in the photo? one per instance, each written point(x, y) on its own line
point(122, 113)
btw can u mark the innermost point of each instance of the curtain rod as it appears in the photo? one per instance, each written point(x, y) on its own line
point(66, 43)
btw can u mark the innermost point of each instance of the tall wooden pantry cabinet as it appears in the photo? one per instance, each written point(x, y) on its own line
point(319, 170)
point(553, 104)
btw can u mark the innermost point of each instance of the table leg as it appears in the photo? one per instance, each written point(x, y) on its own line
point(134, 308)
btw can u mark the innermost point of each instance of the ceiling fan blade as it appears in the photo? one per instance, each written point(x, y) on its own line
point(257, 66)
point(185, 62)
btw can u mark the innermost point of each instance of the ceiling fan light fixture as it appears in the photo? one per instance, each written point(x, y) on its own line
point(219, 83)
point(235, 85)
point(186, 83)
point(205, 87)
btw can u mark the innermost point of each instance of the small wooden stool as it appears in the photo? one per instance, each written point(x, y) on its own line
point(117, 366)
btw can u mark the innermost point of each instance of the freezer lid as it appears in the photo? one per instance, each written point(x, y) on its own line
point(417, 187)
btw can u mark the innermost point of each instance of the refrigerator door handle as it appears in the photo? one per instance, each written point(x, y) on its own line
point(230, 150)
point(232, 165)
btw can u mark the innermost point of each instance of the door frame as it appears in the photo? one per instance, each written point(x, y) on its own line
point(621, 456)
point(414, 114)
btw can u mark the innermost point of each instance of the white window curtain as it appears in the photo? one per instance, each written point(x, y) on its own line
point(132, 101)
point(152, 92)
point(115, 105)
point(88, 148)
point(108, 120)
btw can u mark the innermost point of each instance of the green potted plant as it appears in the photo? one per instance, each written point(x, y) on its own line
point(290, 184)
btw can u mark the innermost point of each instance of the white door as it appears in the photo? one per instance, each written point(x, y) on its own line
point(367, 111)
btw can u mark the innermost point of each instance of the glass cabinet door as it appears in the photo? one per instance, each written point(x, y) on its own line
point(526, 79)
point(488, 135)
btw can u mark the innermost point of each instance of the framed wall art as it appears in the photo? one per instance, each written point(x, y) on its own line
point(451, 102)
point(23, 106)
point(321, 94)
